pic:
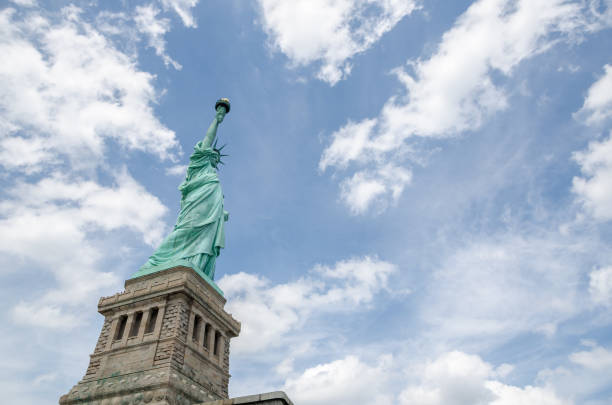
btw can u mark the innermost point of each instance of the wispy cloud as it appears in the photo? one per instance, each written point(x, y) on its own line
point(454, 90)
point(491, 288)
point(586, 373)
point(183, 9)
point(155, 28)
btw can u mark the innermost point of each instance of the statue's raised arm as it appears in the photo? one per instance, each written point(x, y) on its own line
point(199, 235)
point(222, 107)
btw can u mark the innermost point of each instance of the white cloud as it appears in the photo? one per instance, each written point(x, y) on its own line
point(43, 316)
point(451, 378)
point(600, 285)
point(503, 286)
point(49, 225)
point(67, 91)
point(343, 382)
point(269, 312)
point(116, 23)
point(348, 144)
point(367, 188)
point(457, 378)
point(529, 395)
point(454, 378)
point(597, 358)
point(177, 170)
point(154, 28)
point(586, 378)
point(594, 189)
point(45, 378)
point(329, 32)
point(127, 204)
point(183, 9)
point(25, 3)
point(598, 102)
point(454, 90)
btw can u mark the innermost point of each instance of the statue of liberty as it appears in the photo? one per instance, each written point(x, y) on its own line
point(198, 236)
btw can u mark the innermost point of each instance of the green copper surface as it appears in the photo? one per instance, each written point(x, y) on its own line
point(199, 233)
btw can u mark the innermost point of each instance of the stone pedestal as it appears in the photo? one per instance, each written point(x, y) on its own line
point(165, 340)
point(269, 398)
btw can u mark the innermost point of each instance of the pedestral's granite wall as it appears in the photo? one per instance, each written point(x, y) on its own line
point(270, 398)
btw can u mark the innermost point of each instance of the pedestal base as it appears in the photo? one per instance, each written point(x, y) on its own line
point(145, 271)
point(165, 340)
point(270, 398)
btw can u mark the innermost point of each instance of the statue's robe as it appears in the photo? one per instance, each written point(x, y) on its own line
point(198, 235)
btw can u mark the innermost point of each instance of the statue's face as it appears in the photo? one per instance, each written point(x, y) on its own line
point(221, 113)
point(214, 161)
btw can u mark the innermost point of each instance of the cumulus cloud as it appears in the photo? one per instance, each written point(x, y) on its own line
point(594, 187)
point(597, 105)
point(154, 28)
point(127, 204)
point(529, 395)
point(70, 214)
point(328, 383)
point(269, 312)
point(451, 378)
point(454, 90)
point(376, 188)
point(68, 91)
point(49, 224)
point(457, 378)
point(348, 144)
point(329, 32)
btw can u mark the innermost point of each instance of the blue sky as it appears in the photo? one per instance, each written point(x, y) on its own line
point(420, 192)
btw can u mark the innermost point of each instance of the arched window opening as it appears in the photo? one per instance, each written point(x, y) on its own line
point(217, 343)
point(135, 324)
point(197, 323)
point(207, 336)
point(121, 327)
point(150, 327)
